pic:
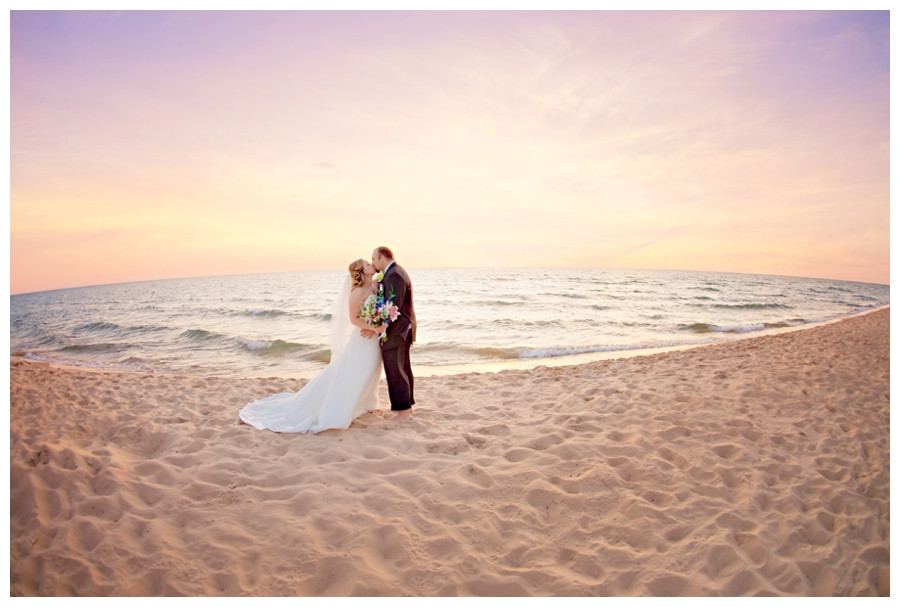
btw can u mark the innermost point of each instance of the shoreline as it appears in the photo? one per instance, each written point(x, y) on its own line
point(756, 467)
point(497, 366)
point(591, 357)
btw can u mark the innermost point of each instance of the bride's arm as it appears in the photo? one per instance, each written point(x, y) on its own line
point(355, 304)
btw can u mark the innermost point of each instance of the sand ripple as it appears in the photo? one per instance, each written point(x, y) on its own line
point(754, 468)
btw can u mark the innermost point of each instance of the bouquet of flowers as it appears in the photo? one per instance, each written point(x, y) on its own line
point(377, 311)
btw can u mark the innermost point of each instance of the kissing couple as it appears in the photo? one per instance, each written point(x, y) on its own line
point(373, 326)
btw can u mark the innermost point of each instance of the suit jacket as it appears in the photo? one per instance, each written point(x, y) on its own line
point(398, 288)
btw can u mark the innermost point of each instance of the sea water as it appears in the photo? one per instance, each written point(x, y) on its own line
point(468, 319)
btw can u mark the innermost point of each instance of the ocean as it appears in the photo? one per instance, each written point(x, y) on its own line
point(277, 325)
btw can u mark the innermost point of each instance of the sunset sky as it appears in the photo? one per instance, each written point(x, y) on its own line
point(152, 145)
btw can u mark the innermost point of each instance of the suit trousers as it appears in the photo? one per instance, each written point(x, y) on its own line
point(398, 372)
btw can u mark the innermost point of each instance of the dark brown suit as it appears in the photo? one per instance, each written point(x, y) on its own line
point(400, 336)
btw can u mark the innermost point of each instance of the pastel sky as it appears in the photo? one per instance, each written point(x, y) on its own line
point(151, 145)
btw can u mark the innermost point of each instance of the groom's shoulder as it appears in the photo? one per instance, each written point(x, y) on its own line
point(401, 271)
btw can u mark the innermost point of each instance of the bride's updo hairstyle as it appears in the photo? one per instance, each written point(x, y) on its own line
point(357, 273)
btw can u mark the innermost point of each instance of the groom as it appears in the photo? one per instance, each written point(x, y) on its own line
point(400, 334)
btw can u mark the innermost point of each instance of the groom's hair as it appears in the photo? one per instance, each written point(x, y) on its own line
point(385, 252)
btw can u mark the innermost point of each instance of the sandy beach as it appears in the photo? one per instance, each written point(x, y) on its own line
point(758, 467)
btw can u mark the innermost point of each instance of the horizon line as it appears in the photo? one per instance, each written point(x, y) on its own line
point(415, 268)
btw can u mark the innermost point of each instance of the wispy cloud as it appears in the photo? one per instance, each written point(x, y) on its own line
point(708, 140)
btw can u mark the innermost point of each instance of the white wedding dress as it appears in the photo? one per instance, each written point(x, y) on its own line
point(344, 390)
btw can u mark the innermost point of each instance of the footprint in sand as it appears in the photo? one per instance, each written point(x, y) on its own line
point(517, 454)
point(477, 442)
point(674, 432)
point(658, 498)
point(727, 451)
point(572, 486)
point(673, 457)
point(448, 447)
point(668, 585)
point(677, 533)
point(545, 501)
point(751, 546)
point(721, 561)
point(545, 442)
point(626, 469)
point(474, 475)
point(619, 437)
point(375, 453)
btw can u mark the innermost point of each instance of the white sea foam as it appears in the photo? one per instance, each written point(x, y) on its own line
point(278, 324)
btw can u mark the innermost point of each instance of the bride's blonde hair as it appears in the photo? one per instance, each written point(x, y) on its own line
point(357, 271)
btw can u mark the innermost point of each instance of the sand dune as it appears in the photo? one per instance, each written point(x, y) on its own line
point(759, 467)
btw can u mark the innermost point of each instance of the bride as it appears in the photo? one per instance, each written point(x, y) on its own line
point(347, 387)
